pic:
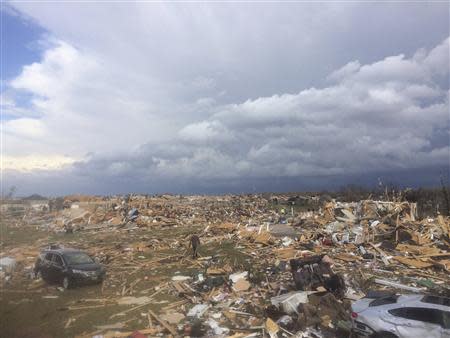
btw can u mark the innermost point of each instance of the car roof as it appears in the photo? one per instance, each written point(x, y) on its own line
point(61, 250)
point(413, 300)
point(419, 301)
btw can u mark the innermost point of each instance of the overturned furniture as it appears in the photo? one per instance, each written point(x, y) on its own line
point(312, 272)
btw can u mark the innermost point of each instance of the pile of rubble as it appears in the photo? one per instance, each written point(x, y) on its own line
point(263, 268)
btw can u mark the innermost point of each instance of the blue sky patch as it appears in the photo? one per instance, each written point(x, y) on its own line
point(19, 43)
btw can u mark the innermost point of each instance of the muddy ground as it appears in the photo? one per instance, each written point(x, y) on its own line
point(31, 308)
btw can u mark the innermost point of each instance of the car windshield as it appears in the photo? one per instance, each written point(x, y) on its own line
point(436, 300)
point(75, 258)
point(384, 300)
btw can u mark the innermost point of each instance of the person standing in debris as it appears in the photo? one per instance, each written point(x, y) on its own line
point(194, 243)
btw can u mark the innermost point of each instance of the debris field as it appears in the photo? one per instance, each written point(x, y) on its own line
point(264, 266)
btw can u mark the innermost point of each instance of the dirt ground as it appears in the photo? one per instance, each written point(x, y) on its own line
point(30, 308)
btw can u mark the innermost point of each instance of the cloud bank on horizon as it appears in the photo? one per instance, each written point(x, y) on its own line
point(154, 93)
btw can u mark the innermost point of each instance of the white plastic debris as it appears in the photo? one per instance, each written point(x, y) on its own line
point(289, 302)
point(286, 241)
point(198, 310)
point(334, 227)
point(374, 224)
point(216, 315)
point(238, 275)
point(218, 330)
point(240, 282)
point(220, 297)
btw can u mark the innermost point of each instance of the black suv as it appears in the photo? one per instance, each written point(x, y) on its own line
point(68, 266)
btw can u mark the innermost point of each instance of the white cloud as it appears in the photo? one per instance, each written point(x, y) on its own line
point(349, 69)
point(205, 132)
point(81, 105)
point(25, 128)
point(438, 59)
point(32, 163)
point(62, 67)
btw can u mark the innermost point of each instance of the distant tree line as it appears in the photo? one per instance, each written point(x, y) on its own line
point(430, 201)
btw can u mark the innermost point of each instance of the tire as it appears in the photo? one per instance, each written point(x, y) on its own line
point(385, 334)
point(67, 283)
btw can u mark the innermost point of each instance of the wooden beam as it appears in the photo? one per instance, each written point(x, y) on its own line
point(163, 323)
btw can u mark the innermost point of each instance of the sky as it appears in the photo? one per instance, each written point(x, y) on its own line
point(116, 97)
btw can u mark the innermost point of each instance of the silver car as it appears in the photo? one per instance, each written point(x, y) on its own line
point(409, 316)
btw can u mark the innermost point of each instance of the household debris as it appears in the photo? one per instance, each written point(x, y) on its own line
point(263, 266)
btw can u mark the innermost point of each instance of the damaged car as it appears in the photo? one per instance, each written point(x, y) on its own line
point(389, 315)
point(70, 267)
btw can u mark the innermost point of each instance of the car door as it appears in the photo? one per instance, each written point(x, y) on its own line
point(395, 322)
point(57, 268)
point(421, 329)
point(417, 322)
point(445, 324)
point(45, 265)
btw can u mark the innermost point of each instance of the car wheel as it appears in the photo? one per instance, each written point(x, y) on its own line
point(385, 334)
point(67, 283)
